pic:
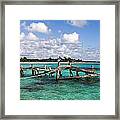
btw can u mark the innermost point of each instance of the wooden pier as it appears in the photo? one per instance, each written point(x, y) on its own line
point(47, 71)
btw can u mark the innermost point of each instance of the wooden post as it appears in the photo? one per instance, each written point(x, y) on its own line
point(56, 76)
point(37, 70)
point(21, 72)
point(58, 63)
point(45, 67)
point(77, 72)
point(32, 71)
point(71, 74)
point(58, 73)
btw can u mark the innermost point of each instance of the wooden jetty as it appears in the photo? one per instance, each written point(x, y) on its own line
point(43, 71)
point(78, 77)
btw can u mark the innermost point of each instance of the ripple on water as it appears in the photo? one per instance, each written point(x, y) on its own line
point(34, 89)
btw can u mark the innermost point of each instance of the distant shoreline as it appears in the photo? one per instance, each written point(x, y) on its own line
point(83, 62)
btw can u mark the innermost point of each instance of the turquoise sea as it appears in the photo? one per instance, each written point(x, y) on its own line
point(47, 88)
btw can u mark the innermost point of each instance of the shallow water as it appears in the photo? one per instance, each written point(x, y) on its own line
point(49, 89)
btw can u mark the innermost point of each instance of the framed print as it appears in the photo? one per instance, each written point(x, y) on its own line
point(60, 60)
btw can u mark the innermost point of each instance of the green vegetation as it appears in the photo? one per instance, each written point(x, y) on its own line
point(65, 59)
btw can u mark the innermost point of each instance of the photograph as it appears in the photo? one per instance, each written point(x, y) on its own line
point(60, 63)
point(59, 59)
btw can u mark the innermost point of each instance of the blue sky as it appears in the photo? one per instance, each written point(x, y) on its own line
point(79, 39)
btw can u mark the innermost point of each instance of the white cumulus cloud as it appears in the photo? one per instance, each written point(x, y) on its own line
point(72, 37)
point(78, 23)
point(39, 27)
point(31, 36)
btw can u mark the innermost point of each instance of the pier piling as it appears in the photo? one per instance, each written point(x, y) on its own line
point(21, 72)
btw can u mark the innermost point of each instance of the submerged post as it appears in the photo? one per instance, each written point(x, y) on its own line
point(21, 72)
point(34, 71)
point(56, 75)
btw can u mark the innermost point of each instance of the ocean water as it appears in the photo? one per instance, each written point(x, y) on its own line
point(47, 88)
